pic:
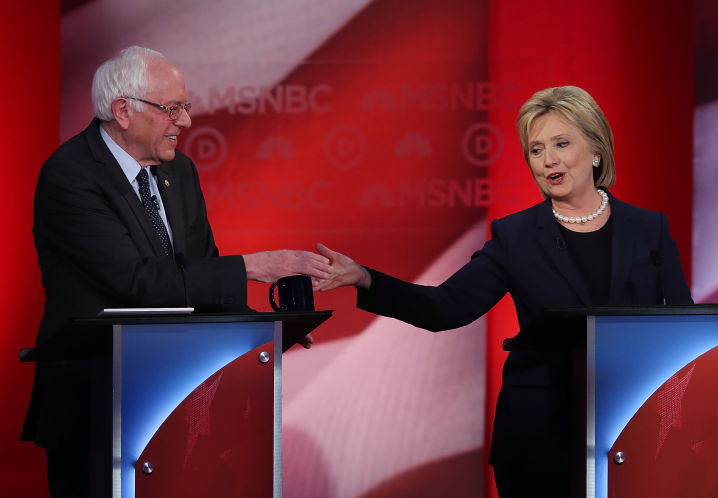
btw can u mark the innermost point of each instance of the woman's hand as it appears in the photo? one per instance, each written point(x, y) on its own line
point(344, 272)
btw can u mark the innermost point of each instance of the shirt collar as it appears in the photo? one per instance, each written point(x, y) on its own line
point(129, 165)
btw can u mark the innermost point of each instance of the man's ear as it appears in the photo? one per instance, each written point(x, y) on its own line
point(121, 110)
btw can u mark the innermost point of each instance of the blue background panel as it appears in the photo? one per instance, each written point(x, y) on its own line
point(635, 355)
point(162, 364)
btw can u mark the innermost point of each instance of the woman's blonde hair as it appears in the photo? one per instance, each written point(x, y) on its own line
point(578, 108)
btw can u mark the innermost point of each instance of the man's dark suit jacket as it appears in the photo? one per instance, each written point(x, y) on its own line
point(527, 257)
point(97, 249)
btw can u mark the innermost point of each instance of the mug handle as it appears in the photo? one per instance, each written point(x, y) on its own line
point(271, 297)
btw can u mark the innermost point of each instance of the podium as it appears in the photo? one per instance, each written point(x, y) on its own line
point(196, 400)
point(644, 395)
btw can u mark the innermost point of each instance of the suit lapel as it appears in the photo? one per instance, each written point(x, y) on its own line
point(172, 200)
point(116, 177)
point(622, 247)
point(139, 212)
point(101, 154)
point(553, 245)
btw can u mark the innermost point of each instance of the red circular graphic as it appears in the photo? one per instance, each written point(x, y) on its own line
point(345, 146)
point(482, 144)
point(207, 147)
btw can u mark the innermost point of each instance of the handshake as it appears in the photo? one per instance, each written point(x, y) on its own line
point(328, 269)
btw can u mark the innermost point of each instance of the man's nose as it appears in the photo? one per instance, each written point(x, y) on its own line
point(184, 121)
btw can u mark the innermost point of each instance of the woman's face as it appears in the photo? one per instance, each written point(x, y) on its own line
point(560, 159)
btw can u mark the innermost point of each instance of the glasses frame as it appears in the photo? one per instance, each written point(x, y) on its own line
point(175, 109)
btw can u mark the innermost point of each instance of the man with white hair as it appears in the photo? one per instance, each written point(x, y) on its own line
point(120, 221)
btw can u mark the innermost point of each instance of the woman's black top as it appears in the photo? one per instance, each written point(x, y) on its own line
point(591, 253)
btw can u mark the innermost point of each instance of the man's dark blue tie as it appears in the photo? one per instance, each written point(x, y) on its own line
point(153, 210)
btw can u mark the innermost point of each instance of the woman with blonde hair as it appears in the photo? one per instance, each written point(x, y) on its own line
point(580, 247)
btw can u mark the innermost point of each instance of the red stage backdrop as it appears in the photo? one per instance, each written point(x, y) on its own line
point(29, 38)
point(361, 125)
point(384, 129)
point(640, 73)
point(705, 181)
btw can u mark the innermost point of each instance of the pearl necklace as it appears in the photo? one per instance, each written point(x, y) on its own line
point(590, 217)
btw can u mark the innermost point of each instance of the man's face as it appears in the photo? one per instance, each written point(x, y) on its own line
point(152, 134)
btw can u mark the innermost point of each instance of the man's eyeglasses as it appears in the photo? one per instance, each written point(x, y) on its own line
point(173, 112)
